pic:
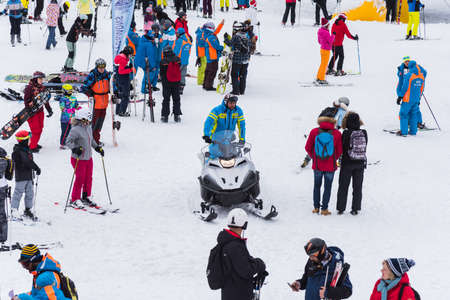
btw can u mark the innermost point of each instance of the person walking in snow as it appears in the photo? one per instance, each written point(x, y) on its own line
point(391, 10)
point(409, 92)
point(71, 41)
point(394, 282)
point(339, 30)
point(170, 73)
point(324, 146)
point(353, 163)
point(14, 8)
point(213, 51)
point(321, 5)
point(414, 7)
point(24, 166)
point(290, 7)
point(68, 104)
point(6, 173)
point(124, 69)
point(52, 21)
point(318, 275)
point(182, 49)
point(80, 141)
point(239, 267)
point(325, 40)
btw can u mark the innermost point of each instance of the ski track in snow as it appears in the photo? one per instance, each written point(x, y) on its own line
point(157, 249)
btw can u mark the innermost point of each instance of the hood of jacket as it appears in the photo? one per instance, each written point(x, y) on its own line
point(48, 263)
point(412, 66)
point(21, 147)
point(326, 122)
point(351, 120)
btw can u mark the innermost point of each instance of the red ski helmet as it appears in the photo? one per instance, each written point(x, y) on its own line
point(23, 135)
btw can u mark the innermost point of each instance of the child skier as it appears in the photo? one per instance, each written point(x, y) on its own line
point(325, 40)
point(15, 8)
point(149, 18)
point(170, 72)
point(6, 171)
point(24, 166)
point(80, 140)
point(52, 21)
point(68, 104)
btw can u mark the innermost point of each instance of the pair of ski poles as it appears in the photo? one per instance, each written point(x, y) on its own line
point(73, 177)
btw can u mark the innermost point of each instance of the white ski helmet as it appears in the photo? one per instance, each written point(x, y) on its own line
point(83, 113)
point(237, 217)
point(344, 100)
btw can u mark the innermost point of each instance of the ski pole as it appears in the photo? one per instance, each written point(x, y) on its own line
point(431, 112)
point(106, 181)
point(134, 87)
point(9, 216)
point(359, 56)
point(91, 45)
point(326, 279)
point(71, 183)
point(424, 24)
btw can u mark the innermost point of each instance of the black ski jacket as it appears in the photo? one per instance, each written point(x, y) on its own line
point(23, 163)
point(239, 267)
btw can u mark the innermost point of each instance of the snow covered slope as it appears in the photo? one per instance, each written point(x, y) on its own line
point(156, 249)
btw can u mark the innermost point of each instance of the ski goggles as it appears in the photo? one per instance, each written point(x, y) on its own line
point(101, 66)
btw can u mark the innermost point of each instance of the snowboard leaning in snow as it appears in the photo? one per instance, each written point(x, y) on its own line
point(224, 75)
point(315, 84)
point(17, 120)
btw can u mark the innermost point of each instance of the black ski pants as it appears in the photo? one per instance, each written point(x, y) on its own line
point(180, 5)
point(355, 173)
point(39, 8)
point(3, 218)
point(88, 24)
point(289, 7)
point(338, 55)
point(391, 7)
point(171, 89)
point(61, 28)
point(207, 7)
point(15, 25)
point(210, 74)
point(321, 5)
point(124, 93)
point(239, 78)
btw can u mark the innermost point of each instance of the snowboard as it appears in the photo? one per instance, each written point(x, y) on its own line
point(71, 77)
point(17, 120)
point(224, 75)
point(330, 84)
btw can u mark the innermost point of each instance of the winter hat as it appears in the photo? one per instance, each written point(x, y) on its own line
point(324, 22)
point(181, 31)
point(83, 17)
point(210, 26)
point(406, 58)
point(38, 74)
point(30, 253)
point(342, 16)
point(23, 135)
point(352, 121)
point(327, 115)
point(181, 14)
point(400, 266)
point(149, 10)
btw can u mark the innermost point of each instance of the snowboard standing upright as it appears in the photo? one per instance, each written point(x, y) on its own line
point(224, 75)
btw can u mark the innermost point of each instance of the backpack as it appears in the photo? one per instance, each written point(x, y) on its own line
point(67, 287)
point(400, 294)
point(173, 72)
point(9, 171)
point(215, 270)
point(324, 144)
point(358, 145)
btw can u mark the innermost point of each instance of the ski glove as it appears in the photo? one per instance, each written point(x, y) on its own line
point(77, 151)
point(38, 171)
point(399, 100)
point(100, 150)
point(207, 139)
point(198, 62)
point(356, 37)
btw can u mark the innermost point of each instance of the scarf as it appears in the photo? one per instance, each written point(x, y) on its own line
point(385, 285)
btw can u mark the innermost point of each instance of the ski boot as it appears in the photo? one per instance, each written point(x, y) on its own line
point(177, 118)
point(221, 9)
point(399, 133)
point(321, 82)
point(87, 201)
point(421, 125)
point(27, 213)
point(340, 73)
point(164, 119)
point(77, 204)
point(228, 8)
point(354, 212)
point(13, 43)
point(155, 89)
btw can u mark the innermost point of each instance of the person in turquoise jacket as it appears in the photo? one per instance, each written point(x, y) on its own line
point(168, 35)
point(68, 104)
point(148, 50)
point(182, 49)
point(225, 116)
point(213, 51)
point(133, 42)
point(45, 269)
point(409, 95)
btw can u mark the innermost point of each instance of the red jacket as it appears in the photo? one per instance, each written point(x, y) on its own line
point(393, 294)
point(122, 60)
point(180, 23)
point(327, 165)
point(290, 1)
point(32, 90)
point(340, 30)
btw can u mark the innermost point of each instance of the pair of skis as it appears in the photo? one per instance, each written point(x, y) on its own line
point(151, 101)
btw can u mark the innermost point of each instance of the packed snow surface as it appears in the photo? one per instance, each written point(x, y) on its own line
point(155, 248)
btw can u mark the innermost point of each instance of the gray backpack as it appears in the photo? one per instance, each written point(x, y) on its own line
point(358, 146)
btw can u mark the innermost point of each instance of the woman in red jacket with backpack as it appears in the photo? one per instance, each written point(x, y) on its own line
point(340, 30)
point(394, 282)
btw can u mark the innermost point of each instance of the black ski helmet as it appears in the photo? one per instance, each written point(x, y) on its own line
point(181, 14)
point(127, 50)
point(100, 62)
point(238, 26)
point(230, 98)
point(316, 245)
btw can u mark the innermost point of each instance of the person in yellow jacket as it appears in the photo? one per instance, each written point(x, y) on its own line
point(86, 7)
point(225, 3)
point(164, 3)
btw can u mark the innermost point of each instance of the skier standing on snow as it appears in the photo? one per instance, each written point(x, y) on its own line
point(290, 6)
point(64, 9)
point(213, 51)
point(6, 167)
point(239, 267)
point(124, 69)
point(324, 145)
point(148, 52)
point(325, 40)
point(68, 104)
point(15, 19)
point(394, 282)
point(354, 161)
point(180, 5)
point(339, 30)
point(170, 73)
point(321, 5)
point(24, 166)
point(240, 47)
point(80, 140)
point(86, 7)
point(182, 49)
point(36, 122)
point(409, 92)
point(414, 7)
point(391, 8)
point(320, 267)
point(52, 12)
point(225, 116)
point(71, 41)
point(224, 3)
point(97, 86)
point(44, 268)
point(207, 9)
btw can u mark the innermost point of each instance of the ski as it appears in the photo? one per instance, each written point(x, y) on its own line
point(417, 39)
point(225, 69)
point(268, 55)
point(108, 209)
point(42, 246)
point(394, 131)
point(31, 222)
point(90, 210)
point(9, 96)
point(315, 84)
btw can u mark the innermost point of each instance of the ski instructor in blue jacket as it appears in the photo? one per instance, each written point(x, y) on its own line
point(409, 91)
point(323, 277)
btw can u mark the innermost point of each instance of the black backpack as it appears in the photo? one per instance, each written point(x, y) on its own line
point(400, 295)
point(215, 271)
point(67, 287)
point(9, 171)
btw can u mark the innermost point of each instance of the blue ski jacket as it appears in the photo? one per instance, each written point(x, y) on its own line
point(199, 42)
point(168, 38)
point(148, 49)
point(213, 49)
point(414, 5)
point(221, 118)
point(413, 83)
point(15, 8)
point(182, 47)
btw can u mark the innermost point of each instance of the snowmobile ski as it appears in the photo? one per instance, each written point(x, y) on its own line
point(266, 216)
point(315, 84)
point(206, 216)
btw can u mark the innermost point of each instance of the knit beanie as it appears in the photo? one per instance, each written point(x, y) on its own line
point(400, 266)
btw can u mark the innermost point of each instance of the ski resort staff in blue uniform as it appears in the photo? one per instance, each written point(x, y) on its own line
point(224, 117)
point(409, 92)
point(149, 52)
point(168, 35)
point(182, 49)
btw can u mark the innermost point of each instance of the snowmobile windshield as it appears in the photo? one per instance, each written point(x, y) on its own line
point(225, 145)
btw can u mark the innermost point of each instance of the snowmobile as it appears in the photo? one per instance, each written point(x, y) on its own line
point(229, 177)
